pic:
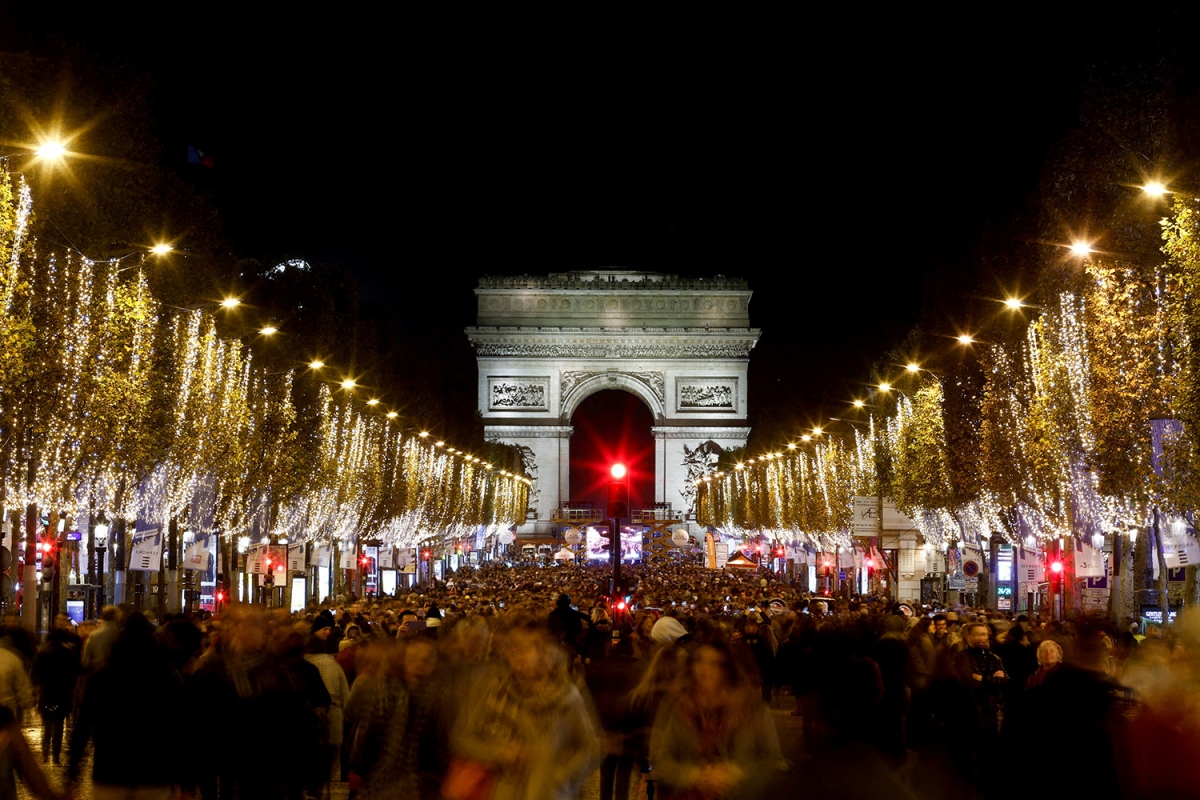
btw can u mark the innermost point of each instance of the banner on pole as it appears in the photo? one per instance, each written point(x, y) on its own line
point(1089, 562)
point(1180, 548)
point(256, 558)
point(295, 557)
point(146, 551)
point(386, 559)
point(196, 554)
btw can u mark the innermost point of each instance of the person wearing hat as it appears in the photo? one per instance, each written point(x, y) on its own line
point(322, 628)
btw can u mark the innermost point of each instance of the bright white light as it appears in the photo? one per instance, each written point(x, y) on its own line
point(316, 364)
point(269, 330)
point(1081, 249)
point(230, 302)
point(1014, 302)
point(618, 471)
point(51, 150)
point(966, 338)
point(1155, 189)
point(349, 383)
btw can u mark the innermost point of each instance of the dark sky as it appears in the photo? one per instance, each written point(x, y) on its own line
point(838, 160)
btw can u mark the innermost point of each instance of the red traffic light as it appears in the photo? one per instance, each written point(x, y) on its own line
point(1056, 567)
point(620, 605)
point(618, 471)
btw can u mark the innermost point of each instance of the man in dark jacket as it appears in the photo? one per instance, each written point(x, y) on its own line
point(977, 667)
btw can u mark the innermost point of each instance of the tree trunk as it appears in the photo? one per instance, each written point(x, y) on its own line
point(1164, 598)
point(172, 599)
point(29, 587)
point(116, 543)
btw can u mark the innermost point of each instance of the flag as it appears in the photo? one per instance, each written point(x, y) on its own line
point(197, 156)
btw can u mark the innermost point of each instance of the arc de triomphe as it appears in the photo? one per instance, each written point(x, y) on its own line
point(545, 343)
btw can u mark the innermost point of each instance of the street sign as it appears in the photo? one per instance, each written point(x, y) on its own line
point(866, 510)
point(970, 585)
point(971, 569)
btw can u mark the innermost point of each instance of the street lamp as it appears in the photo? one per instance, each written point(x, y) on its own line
point(100, 535)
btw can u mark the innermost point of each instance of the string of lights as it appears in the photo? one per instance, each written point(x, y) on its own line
point(113, 403)
point(1061, 425)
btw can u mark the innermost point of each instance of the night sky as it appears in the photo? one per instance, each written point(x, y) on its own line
point(847, 167)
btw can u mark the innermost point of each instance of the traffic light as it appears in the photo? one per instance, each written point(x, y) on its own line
point(1056, 567)
point(618, 493)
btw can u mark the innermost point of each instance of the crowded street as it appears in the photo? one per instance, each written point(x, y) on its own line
point(527, 681)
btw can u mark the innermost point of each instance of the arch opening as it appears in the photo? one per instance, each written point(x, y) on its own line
point(612, 425)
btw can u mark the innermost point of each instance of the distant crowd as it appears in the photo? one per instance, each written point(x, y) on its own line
point(527, 681)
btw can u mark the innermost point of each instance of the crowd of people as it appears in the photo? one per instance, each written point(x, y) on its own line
point(523, 682)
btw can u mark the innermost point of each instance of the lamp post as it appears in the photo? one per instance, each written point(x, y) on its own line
point(100, 534)
point(618, 507)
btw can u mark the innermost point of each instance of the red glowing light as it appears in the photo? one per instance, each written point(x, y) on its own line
point(1056, 567)
point(618, 471)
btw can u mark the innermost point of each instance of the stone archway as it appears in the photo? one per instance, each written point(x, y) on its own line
point(544, 344)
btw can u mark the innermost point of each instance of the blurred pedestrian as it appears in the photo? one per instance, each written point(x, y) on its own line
point(717, 740)
point(56, 669)
point(527, 729)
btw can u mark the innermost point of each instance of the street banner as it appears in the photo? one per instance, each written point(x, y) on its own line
point(195, 555)
point(1180, 547)
point(324, 555)
point(147, 549)
point(256, 559)
point(1031, 568)
point(1089, 562)
point(845, 560)
point(295, 557)
point(710, 546)
point(348, 557)
point(722, 554)
point(955, 579)
point(405, 558)
point(386, 560)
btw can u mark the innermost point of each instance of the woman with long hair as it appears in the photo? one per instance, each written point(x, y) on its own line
point(718, 739)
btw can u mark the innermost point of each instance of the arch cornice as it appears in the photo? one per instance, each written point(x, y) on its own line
point(581, 386)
